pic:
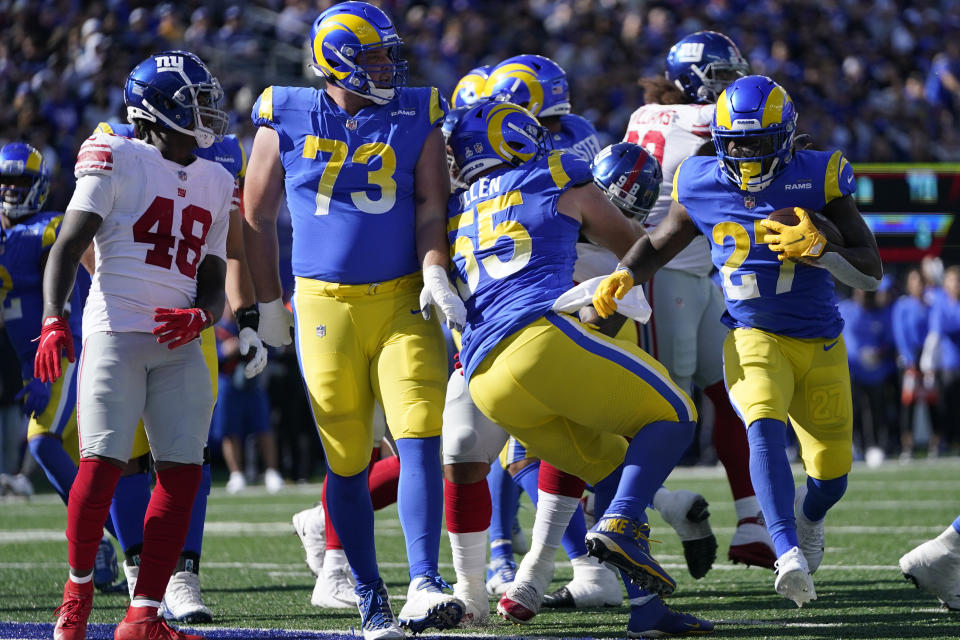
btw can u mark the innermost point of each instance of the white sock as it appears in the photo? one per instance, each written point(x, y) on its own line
point(81, 579)
point(469, 555)
point(334, 559)
point(553, 516)
point(658, 498)
point(141, 601)
point(951, 540)
point(747, 507)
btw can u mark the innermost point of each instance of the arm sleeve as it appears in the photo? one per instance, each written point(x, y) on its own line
point(94, 193)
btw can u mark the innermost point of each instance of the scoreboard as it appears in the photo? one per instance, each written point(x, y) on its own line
point(911, 209)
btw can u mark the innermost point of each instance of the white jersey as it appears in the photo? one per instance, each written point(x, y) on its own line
point(672, 133)
point(160, 220)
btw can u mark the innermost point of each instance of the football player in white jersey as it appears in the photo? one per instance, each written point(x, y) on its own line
point(687, 305)
point(158, 216)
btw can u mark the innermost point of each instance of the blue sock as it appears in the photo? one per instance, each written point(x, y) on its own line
point(505, 495)
point(420, 502)
point(198, 516)
point(956, 524)
point(129, 508)
point(574, 534)
point(56, 463)
point(528, 479)
point(821, 495)
point(351, 512)
point(651, 456)
point(643, 598)
point(604, 491)
point(773, 480)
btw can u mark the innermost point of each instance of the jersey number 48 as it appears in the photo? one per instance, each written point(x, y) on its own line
point(155, 227)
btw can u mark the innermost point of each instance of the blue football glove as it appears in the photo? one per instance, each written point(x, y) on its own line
point(35, 396)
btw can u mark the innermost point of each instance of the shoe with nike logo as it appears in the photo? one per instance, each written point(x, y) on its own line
point(654, 619)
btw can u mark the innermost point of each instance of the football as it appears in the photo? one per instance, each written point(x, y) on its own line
point(788, 216)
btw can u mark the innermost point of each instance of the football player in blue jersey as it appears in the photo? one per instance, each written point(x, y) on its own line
point(784, 356)
point(183, 600)
point(363, 164)
point(50, 409)
point(567, 392)
point(540, 85)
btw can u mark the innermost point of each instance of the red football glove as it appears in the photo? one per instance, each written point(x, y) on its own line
point(180, 326)
point(54, 336)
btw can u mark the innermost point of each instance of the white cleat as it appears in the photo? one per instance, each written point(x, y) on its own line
point(687, 513)
point(933, 568)
point(334, 589)
point(519, 541)
point(598, 586)
point(521, 603)
point(500, 575)
point(273, 480)
point(182, 599)
point(310, 525)
point(236, 483)
point(132, 572)
point(810, 535)
point(476, 606)
point(16, 484)
point(794, 581)
point(376, 615)
point(429, 605)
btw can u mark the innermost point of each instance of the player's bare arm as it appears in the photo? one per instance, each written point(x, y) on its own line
point(599, 218)
point(210, 280)
point(262, 191)
point(661, 244)
point(239, 282)
point(431, 192)
point(76, 235)
point(860, 246)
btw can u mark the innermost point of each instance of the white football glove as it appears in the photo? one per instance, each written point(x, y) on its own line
point(258, 360)
point(276, 323)
point(438, 291)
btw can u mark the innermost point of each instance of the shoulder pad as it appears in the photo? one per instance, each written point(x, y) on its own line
point(568, 170)
point(96, 155)
point(274, 100)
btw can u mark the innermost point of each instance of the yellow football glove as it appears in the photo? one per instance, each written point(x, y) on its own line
point(802, 240)
point(616, 285)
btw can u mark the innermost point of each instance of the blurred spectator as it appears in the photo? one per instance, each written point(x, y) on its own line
point(867, 332)
point(911, 314)
point(941, 357)
point(233, 37)
point(293, 24)
point(242, 410)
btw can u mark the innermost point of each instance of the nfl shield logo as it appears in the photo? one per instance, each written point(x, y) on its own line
point(749, 202)
point(321, 330)
point(182, 175)
point(351, 124)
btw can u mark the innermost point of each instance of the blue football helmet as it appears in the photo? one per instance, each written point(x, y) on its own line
point(24, 180)
point(753, 129)
point(536, 83)
point(493, 133)
point(177, 91)
point(345, 31)
point(629, 176)
point(703, 64)
point(450, 121)
point(470, 88)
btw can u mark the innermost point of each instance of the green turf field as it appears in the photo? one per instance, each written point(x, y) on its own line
point(254, 575)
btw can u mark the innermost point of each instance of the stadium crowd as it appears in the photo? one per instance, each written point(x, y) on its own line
point(882, 82)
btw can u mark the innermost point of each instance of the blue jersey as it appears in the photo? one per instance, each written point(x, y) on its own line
point(945, 320)
point(512, 251)
point(787, 298)
point(577, 135)
point(910, 319)
point(350, 179)
point(228, 152)
point(22, 253)
point(870, 348)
